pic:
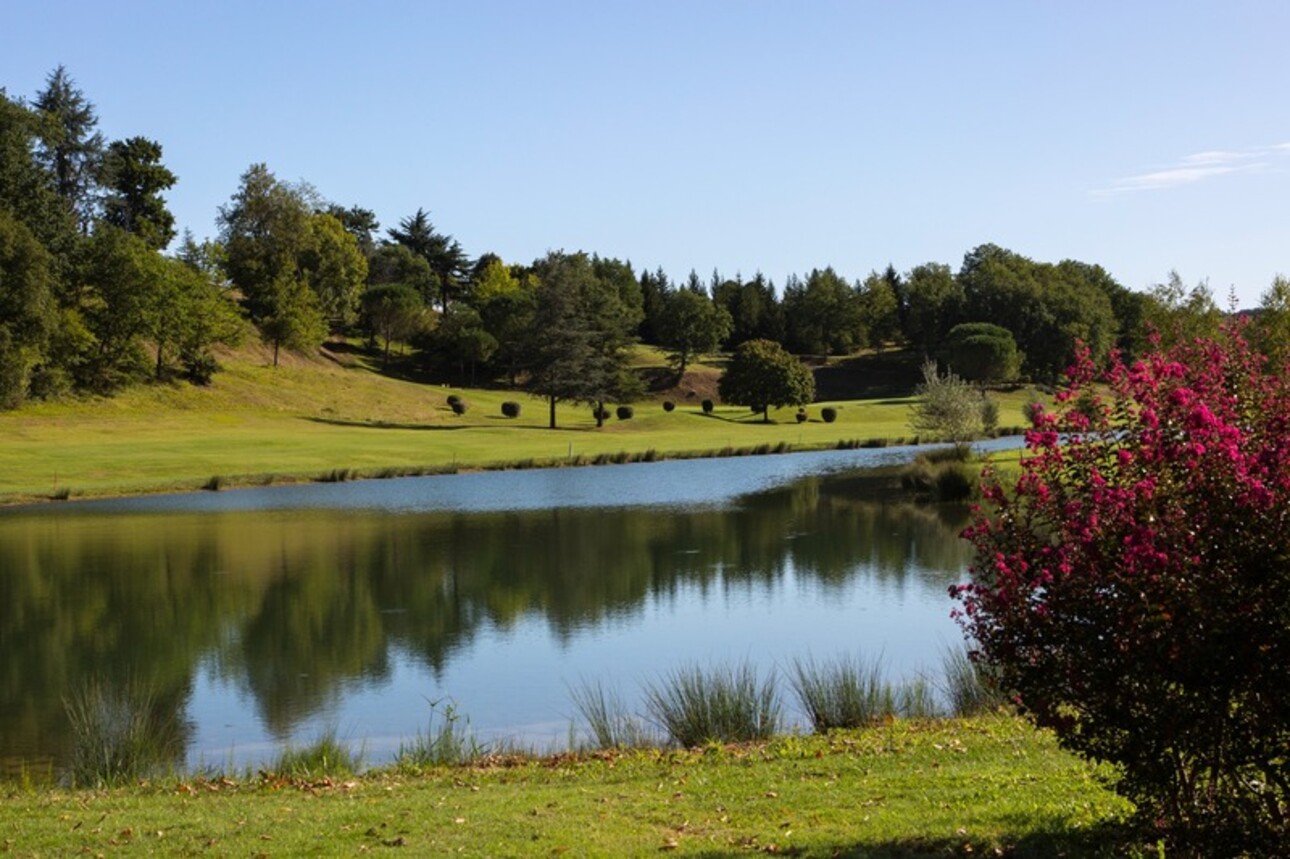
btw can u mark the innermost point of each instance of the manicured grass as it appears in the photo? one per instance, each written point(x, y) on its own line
point(309, 419)
point(985, 786)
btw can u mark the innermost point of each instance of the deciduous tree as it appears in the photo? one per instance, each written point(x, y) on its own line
point(691, 324)
point(763, 376)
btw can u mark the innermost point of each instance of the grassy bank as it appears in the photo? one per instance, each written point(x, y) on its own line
point(315, 419)
point(909, 788)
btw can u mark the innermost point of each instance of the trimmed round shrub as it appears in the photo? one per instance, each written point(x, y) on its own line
point(801, 416)
point(668, 405)
point(829, 414)
point(459, 406)
point(453, 399)
point(511, 409)
point(707, 407)
point(625, 413)
point(600, 414)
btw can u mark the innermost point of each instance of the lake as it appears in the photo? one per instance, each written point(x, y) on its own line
point(268, 616)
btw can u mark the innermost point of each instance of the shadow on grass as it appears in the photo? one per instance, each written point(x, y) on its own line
point(498, 420)
point(1103, 841)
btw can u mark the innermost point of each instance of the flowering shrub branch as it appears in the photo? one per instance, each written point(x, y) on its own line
point(1132, 588)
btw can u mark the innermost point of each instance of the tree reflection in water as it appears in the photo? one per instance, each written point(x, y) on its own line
point(297, 607)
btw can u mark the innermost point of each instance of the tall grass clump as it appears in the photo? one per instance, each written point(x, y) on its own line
point(916, 699)
point(942, 475)
point(969, 689)
point(848, 692)
point(609, 724)
point(121, 732)
point(724, 704)
point(325, 756)
point(448, 740)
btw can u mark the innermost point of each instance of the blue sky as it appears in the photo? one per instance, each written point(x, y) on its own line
point(745, 136)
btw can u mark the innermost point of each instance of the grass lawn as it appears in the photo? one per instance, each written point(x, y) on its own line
point(983, 786)
point(308, 418)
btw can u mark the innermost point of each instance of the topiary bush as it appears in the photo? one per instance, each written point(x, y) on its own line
point(1131, 588)
point(453, 399)
point(459, 406)
point(668, 405)
point(707, 407)
point(625, 413)
point(829, 414)
point(600, 414)
point(801, 416)
point(510, 409)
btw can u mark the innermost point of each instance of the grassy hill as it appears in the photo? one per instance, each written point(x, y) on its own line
point(334, 416)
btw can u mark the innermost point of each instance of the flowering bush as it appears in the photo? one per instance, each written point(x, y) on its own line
point(1132, 589)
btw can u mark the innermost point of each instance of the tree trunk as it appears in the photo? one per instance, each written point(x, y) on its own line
point(552, 401)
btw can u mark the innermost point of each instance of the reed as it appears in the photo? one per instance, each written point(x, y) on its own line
point(723, 704)
point(847, 692)
point(968, 688)
point(608, 722)
point(448, 740)
point(121, 732)
point(327, 755)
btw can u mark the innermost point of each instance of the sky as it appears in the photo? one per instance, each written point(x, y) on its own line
point(711, 134)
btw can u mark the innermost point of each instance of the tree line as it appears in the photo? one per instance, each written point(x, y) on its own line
point(93, 296)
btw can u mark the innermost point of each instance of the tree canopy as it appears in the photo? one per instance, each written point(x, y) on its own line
point(762, 376)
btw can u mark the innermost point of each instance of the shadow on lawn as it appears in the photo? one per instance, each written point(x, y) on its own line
point(1104, 841)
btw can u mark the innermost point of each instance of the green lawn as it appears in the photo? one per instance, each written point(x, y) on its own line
point(984, 786)
point(308, 418)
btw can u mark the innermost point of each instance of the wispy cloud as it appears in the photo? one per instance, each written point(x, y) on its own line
point(1199, 167)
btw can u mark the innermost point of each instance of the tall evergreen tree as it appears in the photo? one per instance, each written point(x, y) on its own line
point(581, 328)
point(71, 147)
point(133, 178)
point(448, 262)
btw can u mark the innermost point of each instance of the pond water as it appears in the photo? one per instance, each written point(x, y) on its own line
point(269, 616)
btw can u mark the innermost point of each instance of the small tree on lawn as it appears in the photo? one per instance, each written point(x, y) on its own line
point(948, 407)
point(762, 375)
point(1132, 588)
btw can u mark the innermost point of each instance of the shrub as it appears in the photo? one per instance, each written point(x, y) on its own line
point(801, 416)
point(1132, 588)
point(199, 368)
point(707, 407)
point(511, 409)
point(453, 399)
point(829, 414)
point(600, 413)
point(459, 406)
point(625, 413)
point(724, 705)
point(989, 415)
point(668, 405)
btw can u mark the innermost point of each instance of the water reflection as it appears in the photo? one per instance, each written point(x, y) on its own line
point(295, 611)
